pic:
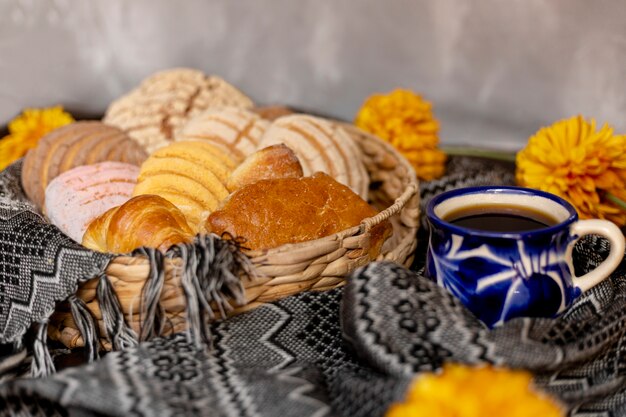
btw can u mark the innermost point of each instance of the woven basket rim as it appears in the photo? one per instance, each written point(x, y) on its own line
point(262, 276)
point(363, 227)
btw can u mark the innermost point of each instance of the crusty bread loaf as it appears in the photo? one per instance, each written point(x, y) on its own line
point(78, 196)
point(276, 161)
point(321, 146)
point(191, 175)
point(76, 144)
point(235, 130)
point(146, 220)
point(166, 100)
point(270, 213)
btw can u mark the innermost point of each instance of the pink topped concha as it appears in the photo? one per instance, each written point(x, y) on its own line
point(78, 196)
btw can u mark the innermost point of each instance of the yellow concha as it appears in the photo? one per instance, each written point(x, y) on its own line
point(191, 175)
point(201, 153)
point(193, 171)
point(191, 198)
point(178, 183)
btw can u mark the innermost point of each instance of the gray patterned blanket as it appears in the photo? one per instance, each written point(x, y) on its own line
point(346, 352)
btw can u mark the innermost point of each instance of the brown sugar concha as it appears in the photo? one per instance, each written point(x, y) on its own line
point(321, 146)
point(166, 100)
point(73, 145)
point(237, 131)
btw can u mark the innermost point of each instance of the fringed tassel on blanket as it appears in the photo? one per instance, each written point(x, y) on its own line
point(152, 312)
point(119, 333)
point(223, 261)
point(212, 268)
point(197, 307)
point(42, 364)
point(86, 325)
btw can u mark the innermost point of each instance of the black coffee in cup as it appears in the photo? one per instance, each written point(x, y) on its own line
point(500, 218)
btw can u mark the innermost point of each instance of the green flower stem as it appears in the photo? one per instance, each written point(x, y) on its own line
point(621, 203)
point(484, 153)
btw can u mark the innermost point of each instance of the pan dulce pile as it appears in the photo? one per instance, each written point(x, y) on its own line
point(186, 153)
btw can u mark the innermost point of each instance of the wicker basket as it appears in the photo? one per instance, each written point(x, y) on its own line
point(316, 265)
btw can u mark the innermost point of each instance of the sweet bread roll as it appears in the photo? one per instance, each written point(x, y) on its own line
point(76, 144)
point(272, 112)
point(166, 100)
point(191, 175)
point(146, 220)
point(236, 131)
point(276, 161)
point(78, 196)
point(322, 146)
point(271, 213)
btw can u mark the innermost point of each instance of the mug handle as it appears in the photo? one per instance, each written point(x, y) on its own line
point(607, 230)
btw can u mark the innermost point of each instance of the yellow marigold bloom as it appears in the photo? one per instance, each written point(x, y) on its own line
point(26, 130)
point(580, 163)
point(463, 391)
point(405, 120)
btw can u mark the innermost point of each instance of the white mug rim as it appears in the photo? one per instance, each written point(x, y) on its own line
point(569, 212)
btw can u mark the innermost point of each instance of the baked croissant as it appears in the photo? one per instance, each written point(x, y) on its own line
point(145, 220)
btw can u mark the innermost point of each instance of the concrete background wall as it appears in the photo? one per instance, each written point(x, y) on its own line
point(496, 70)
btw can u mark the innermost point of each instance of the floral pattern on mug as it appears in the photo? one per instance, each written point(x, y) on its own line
point(521, 278)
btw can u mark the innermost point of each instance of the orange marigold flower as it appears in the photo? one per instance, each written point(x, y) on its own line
point(463, 391)
point(580, 163)
point(26, 130)
point(405, 120)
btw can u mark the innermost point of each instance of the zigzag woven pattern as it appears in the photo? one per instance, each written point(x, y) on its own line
point(39, 265)
point(346, 352)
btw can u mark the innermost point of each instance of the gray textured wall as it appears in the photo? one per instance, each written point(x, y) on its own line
point(495, 69)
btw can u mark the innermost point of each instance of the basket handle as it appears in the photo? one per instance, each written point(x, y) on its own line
point(399, 203)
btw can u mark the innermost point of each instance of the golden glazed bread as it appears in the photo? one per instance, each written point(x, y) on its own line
point(321, 146)
point(237, 131)
point(276, 161)
point(166, 100)
point(73, 145)
point(191, 175)
point(146, 220)
point(274, 212)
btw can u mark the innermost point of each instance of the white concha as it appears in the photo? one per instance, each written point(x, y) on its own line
point(166, 100)
point(237, 131)
point(321, 145)
point(217, 93)
point(357, 173)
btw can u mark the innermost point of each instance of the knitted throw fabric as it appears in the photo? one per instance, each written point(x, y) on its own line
point(345, 352)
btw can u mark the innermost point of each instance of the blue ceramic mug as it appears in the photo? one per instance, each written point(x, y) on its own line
point(501, 266)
